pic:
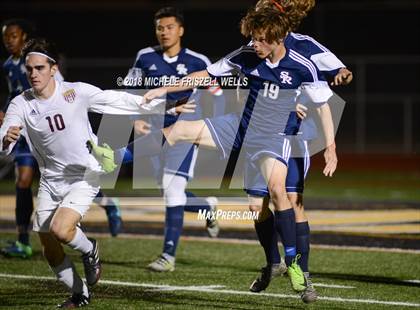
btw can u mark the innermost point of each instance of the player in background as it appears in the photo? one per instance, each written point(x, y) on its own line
point(53, 116)
point(268, 126)
point(331, 66)
point(15, 33)
point(175, 167)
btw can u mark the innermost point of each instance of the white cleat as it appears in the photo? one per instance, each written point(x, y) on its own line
point(212, 225)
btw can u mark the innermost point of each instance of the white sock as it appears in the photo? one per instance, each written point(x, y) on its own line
point(67, 275)
point(80, 242)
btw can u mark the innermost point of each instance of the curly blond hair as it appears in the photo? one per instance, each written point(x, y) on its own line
point(266, 20)
point(294, 10)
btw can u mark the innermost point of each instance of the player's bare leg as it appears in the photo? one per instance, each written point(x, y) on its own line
point(275, 172)
point(64, 228)
point(65, 271)
point(195, 132)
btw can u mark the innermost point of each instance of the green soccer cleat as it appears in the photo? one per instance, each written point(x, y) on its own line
point(297, 279)
point(17, 249)
point(103, 154)
point(162, 264)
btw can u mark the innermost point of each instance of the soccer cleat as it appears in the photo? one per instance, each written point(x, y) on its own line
point(17, 249)
point(113, 213)
point(103, 154)
point(92, 264)
point(76, 300)
point(162, 264)
point(267, 274)
point(296, 276)
point(212, 225)
point(309, 294)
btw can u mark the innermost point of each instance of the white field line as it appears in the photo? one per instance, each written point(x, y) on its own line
point(252, 242)
point(205, 289)
point(412, 281)
point(332, 285)
point(247, 241)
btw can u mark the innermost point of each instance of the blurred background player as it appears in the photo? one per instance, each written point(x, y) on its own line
point(330, 65)
point(15, 33)
point(174, 168)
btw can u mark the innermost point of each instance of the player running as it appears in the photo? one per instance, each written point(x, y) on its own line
point(15, 33)
point(53, 116)
point(331, 66)
point(277, 75)
point(175, 167)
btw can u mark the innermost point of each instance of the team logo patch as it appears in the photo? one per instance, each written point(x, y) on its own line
point(285, 78)
point(181, 69)
point(69, 95)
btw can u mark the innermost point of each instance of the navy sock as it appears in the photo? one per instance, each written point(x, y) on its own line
point(147, 145)
point(267, 236)
point(173, 228)
point(194, 203)
point(302, 244)
point(285, 224)
point(23, 212)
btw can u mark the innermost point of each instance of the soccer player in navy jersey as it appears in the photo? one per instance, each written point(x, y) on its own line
point(278, 77)
point(15, 33)
point(331, 66)
point(174, 168)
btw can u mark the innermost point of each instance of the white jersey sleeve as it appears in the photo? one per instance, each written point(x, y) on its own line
point(14, 117)
point(327, 61)
point(119, 102)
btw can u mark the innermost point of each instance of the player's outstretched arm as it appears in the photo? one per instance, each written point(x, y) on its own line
point(188, 82)
point(124, 103)
point(330, 154)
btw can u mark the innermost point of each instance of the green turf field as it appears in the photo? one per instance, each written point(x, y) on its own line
point(364, 280)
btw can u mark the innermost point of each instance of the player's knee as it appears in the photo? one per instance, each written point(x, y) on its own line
point(296, 200)
point(175, 198)
point(61, 232)
point(24, 180)
point(277, 193)
point(174, 190)
point(255, 207)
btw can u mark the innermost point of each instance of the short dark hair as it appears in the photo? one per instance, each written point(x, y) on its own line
point(41, 45)
point(26, 26)
point(170, 11)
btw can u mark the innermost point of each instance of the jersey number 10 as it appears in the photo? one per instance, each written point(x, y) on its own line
point(58, 122)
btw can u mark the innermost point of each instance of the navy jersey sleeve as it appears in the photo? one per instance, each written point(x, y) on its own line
point(321, 56)
point(231, 64)
point(314, 88)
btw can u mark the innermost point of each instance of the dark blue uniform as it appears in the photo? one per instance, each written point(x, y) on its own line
point(17, 81)
point(153, 66)
point(269, 124)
